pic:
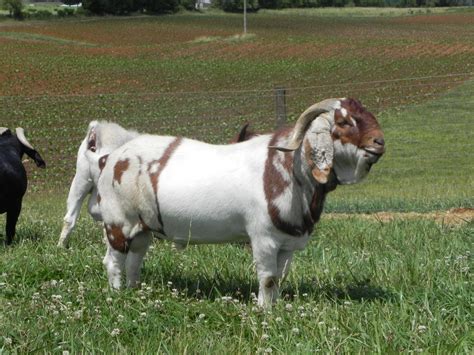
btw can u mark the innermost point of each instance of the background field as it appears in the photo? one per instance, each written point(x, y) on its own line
point(361, 285)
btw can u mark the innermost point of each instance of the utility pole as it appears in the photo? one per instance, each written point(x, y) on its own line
point(245, 17)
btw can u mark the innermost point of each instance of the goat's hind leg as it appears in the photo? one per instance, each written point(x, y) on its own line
point(134, 262)
point(114, 262)
point(116, 255)
point(80, 188)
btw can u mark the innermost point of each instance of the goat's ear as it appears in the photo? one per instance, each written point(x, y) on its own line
point(322, 150)
point(92, 139)
point(28, 148)
point(40, 163)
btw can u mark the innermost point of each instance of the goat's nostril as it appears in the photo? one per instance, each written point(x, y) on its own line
point(379, 141)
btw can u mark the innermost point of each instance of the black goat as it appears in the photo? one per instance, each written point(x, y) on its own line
point(13, 180)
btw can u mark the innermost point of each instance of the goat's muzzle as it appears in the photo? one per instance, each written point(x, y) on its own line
point(375, 149)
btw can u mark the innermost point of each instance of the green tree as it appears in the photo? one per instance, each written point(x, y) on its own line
point(14, 8)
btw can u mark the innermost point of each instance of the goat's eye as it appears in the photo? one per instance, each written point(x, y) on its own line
point(345, 124)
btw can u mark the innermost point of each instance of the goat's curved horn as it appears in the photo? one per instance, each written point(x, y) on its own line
point(20, 133)
point(3, 130)
point(304, 121)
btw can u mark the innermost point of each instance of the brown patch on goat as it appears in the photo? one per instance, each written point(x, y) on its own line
point(274, 184)
point(120, 167)
point(117, 239)
point(102, 162)
point(158, 166)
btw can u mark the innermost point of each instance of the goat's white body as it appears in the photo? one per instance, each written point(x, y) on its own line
point(110, 136)
point(193, 192)
point(206, 193)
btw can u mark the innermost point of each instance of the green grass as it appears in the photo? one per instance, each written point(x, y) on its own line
point(358, 287)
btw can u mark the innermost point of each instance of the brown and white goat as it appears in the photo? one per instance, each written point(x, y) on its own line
point(268, 190)
point(101, 139)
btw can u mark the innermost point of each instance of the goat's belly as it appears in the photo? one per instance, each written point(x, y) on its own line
point(193, 227)
point(200, 217)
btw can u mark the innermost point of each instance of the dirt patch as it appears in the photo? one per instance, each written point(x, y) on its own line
point(455, 216)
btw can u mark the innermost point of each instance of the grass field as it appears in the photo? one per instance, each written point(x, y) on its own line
point(361, 286)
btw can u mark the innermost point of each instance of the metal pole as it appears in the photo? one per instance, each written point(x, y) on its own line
point(245, 17)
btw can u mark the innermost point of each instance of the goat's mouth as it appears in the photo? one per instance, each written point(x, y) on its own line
point(377, 151)
point(373, 154)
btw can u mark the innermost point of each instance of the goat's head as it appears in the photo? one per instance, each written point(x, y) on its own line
point(338, 134)
point(23, 145)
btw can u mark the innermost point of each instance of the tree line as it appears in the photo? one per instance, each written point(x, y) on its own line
point(124, 7)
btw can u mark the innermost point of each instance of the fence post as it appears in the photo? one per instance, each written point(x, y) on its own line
point(280, 102)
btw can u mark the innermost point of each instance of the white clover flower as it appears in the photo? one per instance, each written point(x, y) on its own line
point(65, 352)
point(202, 316)
point(278, 319)
point(265, 336)
point(115, 332)
point(422, 328)
point(109, 300)
point(295, 330)
point(143, 314)
point(289, 307)
point(8, 341)
point(268, 351)
point(120, 318)
point(264, 324)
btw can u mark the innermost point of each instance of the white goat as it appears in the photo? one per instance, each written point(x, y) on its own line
point(269, 190)
point(101, 139)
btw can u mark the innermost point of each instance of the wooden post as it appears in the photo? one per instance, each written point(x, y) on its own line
point(280, 102)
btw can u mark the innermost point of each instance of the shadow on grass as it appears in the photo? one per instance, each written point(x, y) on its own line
point(22, 234)
point(242, 289)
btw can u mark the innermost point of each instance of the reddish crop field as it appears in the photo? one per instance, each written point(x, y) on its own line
point(190, 75)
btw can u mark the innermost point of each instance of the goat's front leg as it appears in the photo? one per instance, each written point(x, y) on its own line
point(12, 218)
point(265, 257)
